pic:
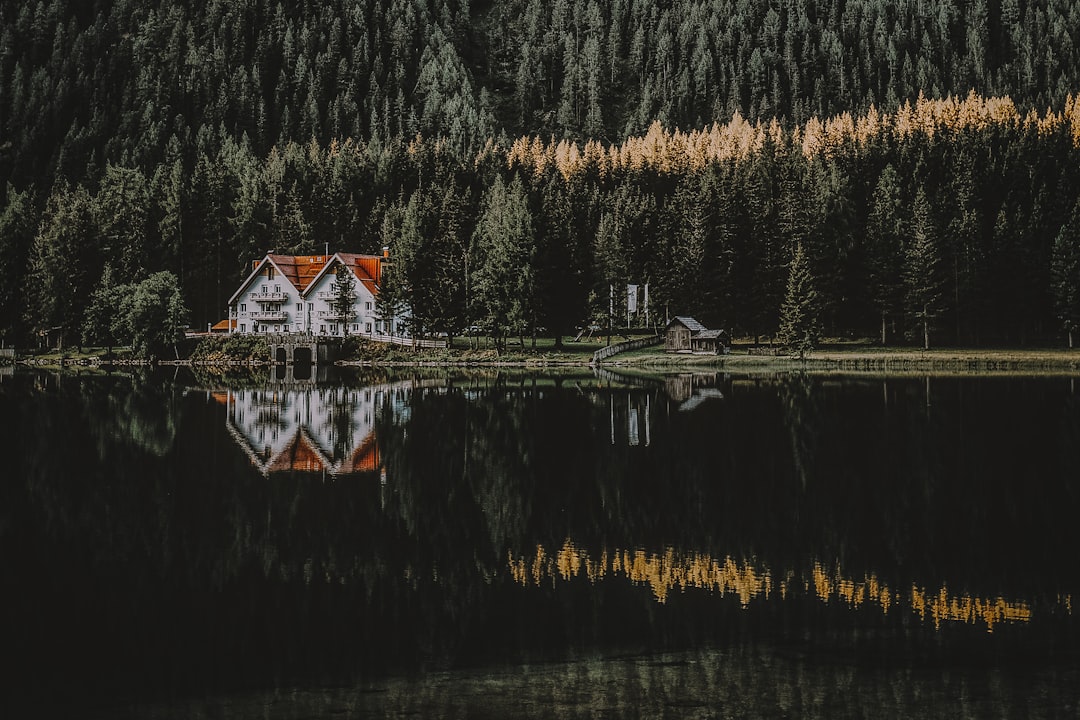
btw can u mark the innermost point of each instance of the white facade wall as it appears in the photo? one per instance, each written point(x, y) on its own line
point(268, 304)
point(320, 301)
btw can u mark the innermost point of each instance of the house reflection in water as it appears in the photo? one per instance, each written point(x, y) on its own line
point(326, 430)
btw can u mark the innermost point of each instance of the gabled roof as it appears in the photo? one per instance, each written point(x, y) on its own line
point(301, 270)
point(366, 268)
point(709, 334)
point(297, 270)
point(690, 323)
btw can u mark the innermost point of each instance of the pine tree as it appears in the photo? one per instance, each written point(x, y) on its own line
point(18, 222)
point(1065, 274)
point(884, 238)
point(504, 247)
point(104, 323)
point(344, 296)
point(799, 322)
point(922, 281)
point(62, 261)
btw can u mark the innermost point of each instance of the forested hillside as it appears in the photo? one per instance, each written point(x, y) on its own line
point(192, 136)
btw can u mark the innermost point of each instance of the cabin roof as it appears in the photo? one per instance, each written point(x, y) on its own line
point(688, 322)
point(709, 335)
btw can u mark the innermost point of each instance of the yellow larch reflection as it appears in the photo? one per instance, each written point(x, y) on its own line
point(672, 571)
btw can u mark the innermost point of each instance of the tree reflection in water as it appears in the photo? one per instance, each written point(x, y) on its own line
point(204, 538)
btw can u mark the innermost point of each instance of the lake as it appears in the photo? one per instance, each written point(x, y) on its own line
point(512, 544)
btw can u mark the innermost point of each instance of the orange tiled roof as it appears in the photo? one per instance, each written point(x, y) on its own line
point(223, 326)
point(366, 268)
point(300, 270)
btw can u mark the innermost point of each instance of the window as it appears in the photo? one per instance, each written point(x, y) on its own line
point(269, 272)
point(322, 329)
point(356, 327)
point(367, 328)
point(243, 327)
point(367, 305)
point(299, 307)
point(277, 288)
point(277, 328)
point(243, 307)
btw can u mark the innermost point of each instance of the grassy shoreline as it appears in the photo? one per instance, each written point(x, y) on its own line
point(869, 359)
point(847, 359)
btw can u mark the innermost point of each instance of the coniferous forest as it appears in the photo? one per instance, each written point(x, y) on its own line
point(910, 168)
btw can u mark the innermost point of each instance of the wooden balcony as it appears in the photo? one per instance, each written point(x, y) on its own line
point(269, 315)
point(269, 297)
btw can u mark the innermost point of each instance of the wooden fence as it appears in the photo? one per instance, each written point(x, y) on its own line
point(606, 352)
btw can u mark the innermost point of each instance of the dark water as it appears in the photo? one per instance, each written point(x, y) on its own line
point(500, 545)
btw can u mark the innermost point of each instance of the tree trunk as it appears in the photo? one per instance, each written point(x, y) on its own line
point(1070, 339)
point(883, 327)
point(925, 328)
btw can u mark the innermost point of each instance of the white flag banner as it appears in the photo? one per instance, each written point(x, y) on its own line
point(631, 298)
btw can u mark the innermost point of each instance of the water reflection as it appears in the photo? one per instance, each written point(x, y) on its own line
point(317, 429)
point(801, 511)
point(674, 571)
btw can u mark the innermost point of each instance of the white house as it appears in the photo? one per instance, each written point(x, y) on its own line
point(295, 294)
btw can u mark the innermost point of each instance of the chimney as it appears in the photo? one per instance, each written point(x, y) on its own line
point(386, 252)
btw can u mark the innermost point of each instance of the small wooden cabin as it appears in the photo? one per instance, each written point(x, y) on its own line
point(677, 337)
point(685, 334)
point(710, 341)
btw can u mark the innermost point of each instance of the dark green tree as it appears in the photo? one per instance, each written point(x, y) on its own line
point(18, 223)
point(63, 259)
point(885, 248)
point(799, 321)
point(104, 323)
point(344, 300)
point(1065, 274)
point(504, 249)
point(922, 263)
point(122, 216)
point(154, 316)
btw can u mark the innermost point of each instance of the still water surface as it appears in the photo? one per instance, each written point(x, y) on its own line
point(499, 545)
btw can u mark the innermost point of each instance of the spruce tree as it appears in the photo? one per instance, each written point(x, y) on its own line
point(1065, 274)
point(885, 252)
point(505, 250)
point(922, 260)
point(344, 296)
point(799, 322)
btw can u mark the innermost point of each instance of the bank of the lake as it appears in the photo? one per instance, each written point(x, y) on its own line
point(859, 359)
point(743, 358)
